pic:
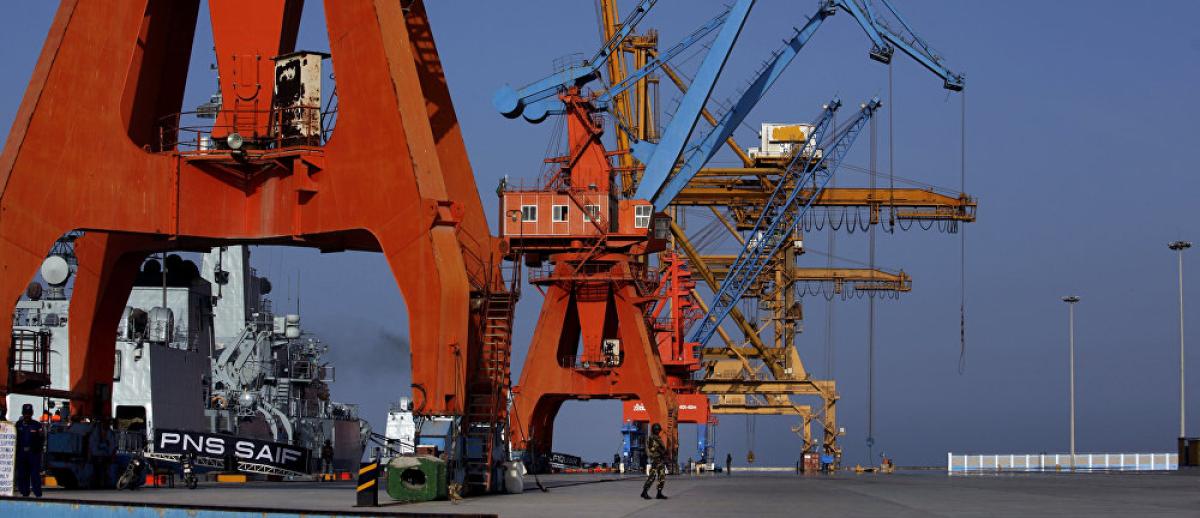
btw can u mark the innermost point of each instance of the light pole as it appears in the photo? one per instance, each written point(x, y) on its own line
point(1071, 300)
point(1180, 246)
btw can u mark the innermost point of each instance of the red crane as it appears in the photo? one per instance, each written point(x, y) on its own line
point(96, 147)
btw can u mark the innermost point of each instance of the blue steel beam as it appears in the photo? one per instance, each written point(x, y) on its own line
point(780, 217)
point(675, 136)
point(663, 57)
point(882, 38)
point(794, 173)
point(511, 102)
point(885, 39)
point(708, 146)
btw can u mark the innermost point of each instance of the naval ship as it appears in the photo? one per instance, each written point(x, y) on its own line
point(200, 357)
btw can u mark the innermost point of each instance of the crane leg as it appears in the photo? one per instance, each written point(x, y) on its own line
point(108, 265)
point(565, 358)
point(21, 252)
point(438, 301)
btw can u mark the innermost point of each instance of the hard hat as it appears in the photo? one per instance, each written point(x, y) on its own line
point(27, 410)
point(655, 428)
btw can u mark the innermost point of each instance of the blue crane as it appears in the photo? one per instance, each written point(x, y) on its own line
point(512, 103)
point(810, 168)
point(658, 183)
point(528, 100)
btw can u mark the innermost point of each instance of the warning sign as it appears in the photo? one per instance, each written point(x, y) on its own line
point(8, 455)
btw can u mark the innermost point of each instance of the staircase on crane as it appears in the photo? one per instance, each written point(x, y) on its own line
point(487, 404)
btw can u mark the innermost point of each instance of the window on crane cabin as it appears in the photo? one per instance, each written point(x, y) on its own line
point(591, 213)
point(558, 213)
point(641, 216)
point(529, 213)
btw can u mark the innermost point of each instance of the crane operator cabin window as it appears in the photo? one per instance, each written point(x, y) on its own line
point(529, 213)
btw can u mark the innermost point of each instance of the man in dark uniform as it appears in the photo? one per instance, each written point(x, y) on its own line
point(327, 458)
point(657, 451)
point(30, 439)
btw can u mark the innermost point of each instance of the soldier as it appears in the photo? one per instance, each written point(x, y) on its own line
point(327, 458)
point(657, 452)
point(29, 453)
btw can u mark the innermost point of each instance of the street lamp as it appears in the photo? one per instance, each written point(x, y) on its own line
point(1180, 246)
point(1071, 300)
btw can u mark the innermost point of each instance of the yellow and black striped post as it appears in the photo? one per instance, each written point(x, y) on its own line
point(368, 486)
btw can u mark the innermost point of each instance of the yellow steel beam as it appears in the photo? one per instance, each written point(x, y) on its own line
point(716, 353)
point(768, 387)
point(909, 203)
point(862, 278)
point(773, 409)
point(724, 335)
point(733, 145)
point(717, 172)
point(698, 265)
point(610, 23)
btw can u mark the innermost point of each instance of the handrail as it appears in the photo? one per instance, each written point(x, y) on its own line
point(199, 137)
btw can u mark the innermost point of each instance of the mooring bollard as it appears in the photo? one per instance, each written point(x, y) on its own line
point(368, 486)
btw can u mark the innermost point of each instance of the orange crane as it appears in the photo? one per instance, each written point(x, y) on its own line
point(396, 180)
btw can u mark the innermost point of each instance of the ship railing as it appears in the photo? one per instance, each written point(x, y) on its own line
point(212, 462)
point(34, 317)
point(313, 408)
point(326, 373)
point(302, 370)
point(343, 411)
point(29, 359)
point(130, 441)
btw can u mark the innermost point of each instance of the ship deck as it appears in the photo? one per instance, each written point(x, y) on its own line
point(906, 493)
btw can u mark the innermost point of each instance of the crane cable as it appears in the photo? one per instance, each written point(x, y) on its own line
point(750, 439)
point(871, 306)
point(891, 155)
point(962, 244)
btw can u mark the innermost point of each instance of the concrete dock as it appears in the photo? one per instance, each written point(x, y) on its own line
point(914, 493)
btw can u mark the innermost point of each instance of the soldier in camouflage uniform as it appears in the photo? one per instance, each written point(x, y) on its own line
point(657, 451)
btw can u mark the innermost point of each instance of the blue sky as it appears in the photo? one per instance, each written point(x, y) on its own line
point(1079, 118)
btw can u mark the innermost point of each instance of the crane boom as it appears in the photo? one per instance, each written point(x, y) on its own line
point(670, 147)
point(662, 58)
point(661, 187)
point(813, 165)
point(511, 102)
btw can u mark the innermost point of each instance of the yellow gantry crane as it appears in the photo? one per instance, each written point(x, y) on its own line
point(757, 369)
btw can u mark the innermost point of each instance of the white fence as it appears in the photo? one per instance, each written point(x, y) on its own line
point(1062, 462)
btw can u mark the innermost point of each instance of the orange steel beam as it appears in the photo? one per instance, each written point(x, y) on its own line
point(246, 35)
point(393, 178)
point(592, 294)
point(565, 359)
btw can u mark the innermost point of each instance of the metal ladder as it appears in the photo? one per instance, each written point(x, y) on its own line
point(487, 404)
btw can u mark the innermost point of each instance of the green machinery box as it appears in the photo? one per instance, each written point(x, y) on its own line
point(416, 479)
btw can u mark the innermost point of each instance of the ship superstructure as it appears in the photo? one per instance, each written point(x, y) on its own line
point(198, 349)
